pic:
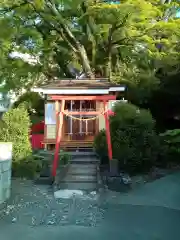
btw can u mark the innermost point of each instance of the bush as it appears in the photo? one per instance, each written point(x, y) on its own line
point(134, 140)
point(29, 167)
point(64, 158)
point(16, 127)
point(170, 147)
point(100, 146)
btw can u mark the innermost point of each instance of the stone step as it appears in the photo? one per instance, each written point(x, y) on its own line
point(84, 166)
point(80, 149)
point(84, 186)
point(80, 178)
point(82, 171)
point(81, 153)
point(85, 160)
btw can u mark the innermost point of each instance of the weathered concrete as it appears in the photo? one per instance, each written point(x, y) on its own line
point(5, 171)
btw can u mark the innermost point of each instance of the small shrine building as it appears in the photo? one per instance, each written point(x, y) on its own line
point(75, 111)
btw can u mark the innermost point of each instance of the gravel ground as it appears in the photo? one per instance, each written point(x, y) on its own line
point(35, 205)
point(151, 212)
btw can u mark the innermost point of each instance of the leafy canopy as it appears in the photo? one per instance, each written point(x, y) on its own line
point(128, 41)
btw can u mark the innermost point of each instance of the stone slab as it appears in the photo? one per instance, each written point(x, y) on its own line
point(84, 186)
point(82, 170)
point(80, 178)
point(67, 193)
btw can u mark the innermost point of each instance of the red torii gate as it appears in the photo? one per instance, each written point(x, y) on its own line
point(60, 116)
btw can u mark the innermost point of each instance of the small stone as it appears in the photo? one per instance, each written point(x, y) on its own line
point(33, 220)
point(51, 222)
point(78, 222)
point(14, 220)
point(93, 193)
point(126, 179)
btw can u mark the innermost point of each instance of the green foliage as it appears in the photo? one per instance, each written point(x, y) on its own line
point(134, 140)
point(15, 128)
point(33, 102)
point(170, 142)
point(165, 102)
point(91, 35)
point(28, 168)
point(171, 136)
point(64, 158)
point(100, 146)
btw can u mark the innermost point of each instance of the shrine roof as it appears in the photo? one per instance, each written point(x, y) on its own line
point(82, 85)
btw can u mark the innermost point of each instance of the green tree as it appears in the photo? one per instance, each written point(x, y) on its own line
point(120, 41)
point(33, 102)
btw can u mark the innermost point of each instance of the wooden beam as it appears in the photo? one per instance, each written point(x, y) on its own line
point(73, 97)
point(58, 139)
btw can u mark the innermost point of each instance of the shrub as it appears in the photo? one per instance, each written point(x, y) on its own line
point(64, 158)
point(134, 140)
point(170, 146)
point(100, 146)
point(16, 126)
point(29, 167)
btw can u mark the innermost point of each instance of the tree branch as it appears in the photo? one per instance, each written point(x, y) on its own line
point(9, 9)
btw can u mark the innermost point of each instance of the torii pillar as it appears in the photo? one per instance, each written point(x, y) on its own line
point(60, 117)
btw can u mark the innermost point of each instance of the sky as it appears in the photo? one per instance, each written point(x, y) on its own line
point(178, 14)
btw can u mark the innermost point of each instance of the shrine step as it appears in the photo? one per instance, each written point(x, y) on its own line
point(79, 149)
point(87, 161)
point(81, 153)
point(82, 173)
point(83, 169)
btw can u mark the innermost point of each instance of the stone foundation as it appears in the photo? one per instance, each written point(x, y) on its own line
point(5, 171)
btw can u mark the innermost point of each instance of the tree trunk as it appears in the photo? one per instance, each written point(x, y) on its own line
point(65, 32)
point(85, 61)
point(109, 53)
point(108, 70)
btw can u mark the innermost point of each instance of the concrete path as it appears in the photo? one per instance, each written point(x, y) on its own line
point(151, 212)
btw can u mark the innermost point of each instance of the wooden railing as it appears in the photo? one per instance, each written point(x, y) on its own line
point(79, 136)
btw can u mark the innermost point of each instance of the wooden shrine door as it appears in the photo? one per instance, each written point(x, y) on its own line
point(80, 129)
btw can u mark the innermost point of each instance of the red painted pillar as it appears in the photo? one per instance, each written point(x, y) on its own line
point(58, 138)
point(108, 133)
